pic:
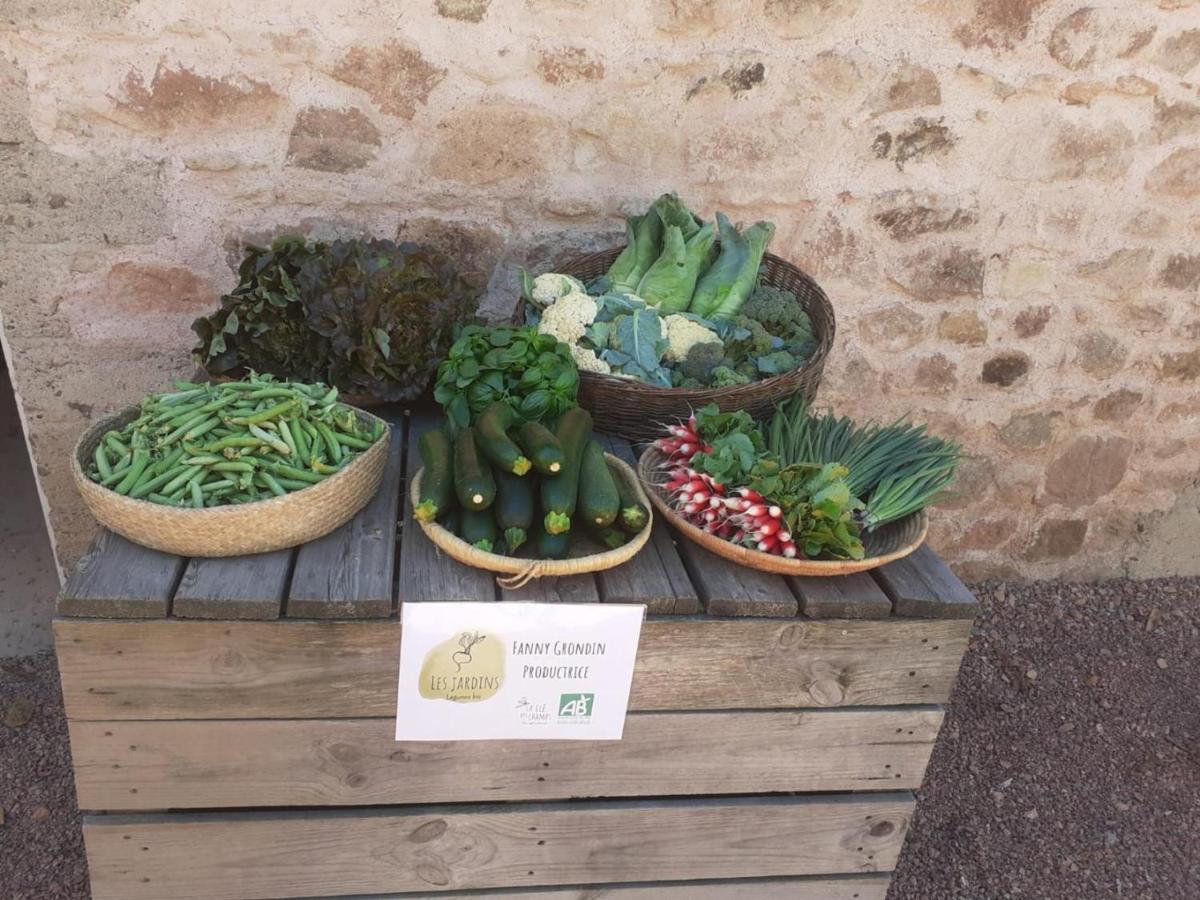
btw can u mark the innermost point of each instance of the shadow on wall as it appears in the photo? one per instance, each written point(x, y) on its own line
point(28, 576)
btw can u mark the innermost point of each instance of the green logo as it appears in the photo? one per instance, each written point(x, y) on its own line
point(576, 706)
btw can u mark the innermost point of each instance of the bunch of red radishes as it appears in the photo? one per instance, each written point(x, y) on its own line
point(740, 514)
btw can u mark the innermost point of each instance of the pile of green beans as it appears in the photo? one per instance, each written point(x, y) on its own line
point(217, 444)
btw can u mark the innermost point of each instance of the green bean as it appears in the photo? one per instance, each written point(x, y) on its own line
point(183, 429)
point(231, 442)
point(272, 392)
point(295, 474)
point(233, 467)
point(147, 487)
point(197, 496)
point(356, 443)
point(160, 498)
point(117, 473)
point(217, 485)
point(331, 444)
point(299, 439)
point(102, 465)
point(173, 415)
point(204, 460)
point(329, 397)
point(269, 413)
point(181, 479)
point(113, 440)
point(181, 396)
point(322, 468)
point(376, 430)
point(291, 483)
point(276, 443)
point(273, 485)
point(203, 428)
point(141, 459)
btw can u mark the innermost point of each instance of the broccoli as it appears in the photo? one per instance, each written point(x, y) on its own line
point(701, 360)
point(777, 363)
point(778, 309)
point(759, 341)
point(723, 376)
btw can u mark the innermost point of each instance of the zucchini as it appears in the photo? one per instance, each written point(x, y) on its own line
point(560, 491)
point(633, 515)
point(478, 528)
point(607, 536)
point(437, 481)
point(551, 546)
point(541, 446)
point(513, 508)
point(492, 433)
point(599, 501)
point(452, 521)
point(473, 480)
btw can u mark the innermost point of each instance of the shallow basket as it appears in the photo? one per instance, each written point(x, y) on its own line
point(636, 411)
point(522, 571)
point(234, 530)
point(883, 545)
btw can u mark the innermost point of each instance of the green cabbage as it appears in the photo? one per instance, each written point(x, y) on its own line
point(669, 283)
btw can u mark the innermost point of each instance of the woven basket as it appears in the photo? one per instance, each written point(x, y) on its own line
point(233, 530)
point(522, 571)
point(636, 411)
point(890, 542)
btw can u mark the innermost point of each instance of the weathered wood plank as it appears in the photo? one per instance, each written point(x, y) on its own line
point(117, 578)
point(264, 855)
point(655, 576)
point(347, 574)
point(235, 587)
point(811, 887)
point(922, 585)
point(348, 762)
point(173, 669)
point(854, 596)
point(427, 574)
point(729, 590)
point(566, 589)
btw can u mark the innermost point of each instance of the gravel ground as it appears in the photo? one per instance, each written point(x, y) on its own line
point(1068, 767)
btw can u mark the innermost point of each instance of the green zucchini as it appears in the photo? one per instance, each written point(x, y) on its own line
point(452, 521)
point(437, 481)
point(634, 515)
point(606, 535)
point(478, 528)
point(599, 501)
point(551, 546)
point(513, 508)
point(473, 480)
point(492, 434)
point(560, 491)
point(541, 446)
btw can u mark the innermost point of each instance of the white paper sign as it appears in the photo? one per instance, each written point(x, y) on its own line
point(492, 671)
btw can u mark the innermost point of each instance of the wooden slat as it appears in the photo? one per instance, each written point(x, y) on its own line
point(655, 576)
point(173, 669)
point(236, 587)
point(872, 886)
point(427, 574)
point(729, 590)
point(347, 574)
point(854, 596)
point(346, 762)
point(119, 579)
point(922, 585)
point(264, 855)
point(566, 589)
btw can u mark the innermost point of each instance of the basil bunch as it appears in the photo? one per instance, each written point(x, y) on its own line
point(533, 373)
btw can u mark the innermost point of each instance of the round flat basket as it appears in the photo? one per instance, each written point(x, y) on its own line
point(239, 529)
point(585, 556)
point(636, 411)
point(893, 541)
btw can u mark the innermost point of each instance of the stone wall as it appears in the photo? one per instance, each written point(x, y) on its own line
point(1002, 197)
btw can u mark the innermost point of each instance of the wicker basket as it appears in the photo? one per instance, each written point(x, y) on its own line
point(237, 529)
point(522, 571)
point(636, 411)
point(890, 542)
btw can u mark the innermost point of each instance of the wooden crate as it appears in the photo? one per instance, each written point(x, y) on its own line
point(231, 732)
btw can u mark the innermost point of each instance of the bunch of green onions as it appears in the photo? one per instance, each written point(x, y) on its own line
point(895, 469)
point(216, 444)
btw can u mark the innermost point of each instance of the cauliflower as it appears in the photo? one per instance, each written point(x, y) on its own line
point(684, 333)
point(587, 361)
point(568, 317)
point(549, 287)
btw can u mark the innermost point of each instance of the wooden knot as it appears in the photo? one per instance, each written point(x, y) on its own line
point(430, 831)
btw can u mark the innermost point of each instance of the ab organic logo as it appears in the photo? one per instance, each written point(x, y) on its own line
point(575, 706)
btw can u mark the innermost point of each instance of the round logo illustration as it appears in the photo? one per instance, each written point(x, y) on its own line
point(465, 668)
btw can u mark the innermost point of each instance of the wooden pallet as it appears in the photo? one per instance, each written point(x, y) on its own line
point(231, 732)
